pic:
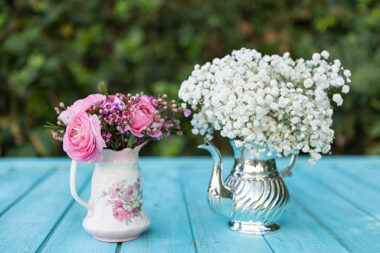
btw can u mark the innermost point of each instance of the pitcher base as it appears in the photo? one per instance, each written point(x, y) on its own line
point(252, 227)
point(117, 240)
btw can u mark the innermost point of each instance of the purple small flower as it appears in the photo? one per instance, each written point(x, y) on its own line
point(187, 113)
point(153, 101)
point(135, 98)
point(106, 136)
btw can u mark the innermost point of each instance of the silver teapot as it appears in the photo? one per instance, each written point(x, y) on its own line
point(254, 195)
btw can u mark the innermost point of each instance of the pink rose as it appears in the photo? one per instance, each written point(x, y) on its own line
point(136, 210)
point(121, 214)
point(112, 193)
point(128, 191)
point(80, 105)
point(128, 194)
point(83, 141)
point(118, 203)
point(155, 131)
point(128, 215)
point(142, 116)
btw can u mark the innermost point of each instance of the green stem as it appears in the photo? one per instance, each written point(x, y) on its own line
point(102, 85)
point(130, 141)
point(122, 141)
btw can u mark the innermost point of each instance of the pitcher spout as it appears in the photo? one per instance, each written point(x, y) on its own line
point(220, 196)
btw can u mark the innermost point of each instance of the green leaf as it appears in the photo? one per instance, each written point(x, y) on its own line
point(130, 141)
point(103, 87)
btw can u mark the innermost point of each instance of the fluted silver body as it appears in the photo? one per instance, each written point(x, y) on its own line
point(260, 195)
point(254, 195)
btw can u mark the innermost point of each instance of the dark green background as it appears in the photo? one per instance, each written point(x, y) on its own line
point(52, 51)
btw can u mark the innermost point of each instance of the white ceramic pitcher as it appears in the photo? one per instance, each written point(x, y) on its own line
point(115, 209)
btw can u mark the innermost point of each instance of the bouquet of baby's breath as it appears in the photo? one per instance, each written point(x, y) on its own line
point(267, 100)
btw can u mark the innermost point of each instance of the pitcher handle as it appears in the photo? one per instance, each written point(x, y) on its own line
point(286, 172)
point(73, 188)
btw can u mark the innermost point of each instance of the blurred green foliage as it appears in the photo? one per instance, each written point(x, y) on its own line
point(52, 51)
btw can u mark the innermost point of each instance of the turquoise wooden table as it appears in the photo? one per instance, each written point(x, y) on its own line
point(335, 208)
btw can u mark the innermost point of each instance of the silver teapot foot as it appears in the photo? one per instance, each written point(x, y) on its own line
point(252, 227)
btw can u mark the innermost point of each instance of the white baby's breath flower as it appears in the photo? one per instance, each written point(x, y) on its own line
point(347, 73)
point(209, 137)
point(340, 81)
point(345, 88)
point(263, 100)
point(308, 83)
point(325, 54)
point(337, 98)
point(316, 57)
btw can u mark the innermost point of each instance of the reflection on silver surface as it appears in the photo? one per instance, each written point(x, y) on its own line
point(253, 196)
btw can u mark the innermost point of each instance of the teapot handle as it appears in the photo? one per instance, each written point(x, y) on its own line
point(73, 188)
point(286, 172)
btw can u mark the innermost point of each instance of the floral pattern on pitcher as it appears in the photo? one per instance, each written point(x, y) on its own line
point(126, 200)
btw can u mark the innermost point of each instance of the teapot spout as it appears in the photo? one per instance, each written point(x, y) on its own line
point(220, 196)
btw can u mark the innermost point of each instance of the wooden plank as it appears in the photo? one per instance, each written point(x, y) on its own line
point(26, 224)
point(33, 163)
point(365, 170)
point(211, 231)
point(169, 230)
point(69, 235)
point(354, 229)
point(322, 211)
point(299, 232)
point(357, 192)
point(17, 183)
point(20, 176)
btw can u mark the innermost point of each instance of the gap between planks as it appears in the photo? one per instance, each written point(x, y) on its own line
point(181, 176)
point(179, 173)
point(265, 239)
point(29, 190)
point(348, 174)
point(65, 211)
point(308, 212)
point(339, 195)
point(118, 247)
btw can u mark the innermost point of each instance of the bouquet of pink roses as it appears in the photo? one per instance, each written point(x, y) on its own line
point(113, 122)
